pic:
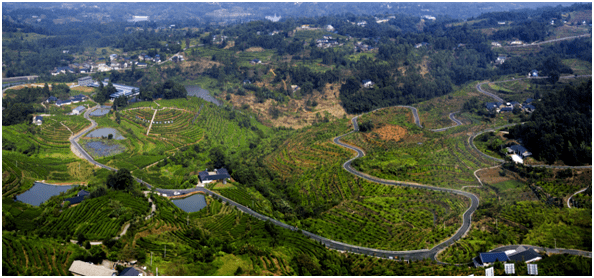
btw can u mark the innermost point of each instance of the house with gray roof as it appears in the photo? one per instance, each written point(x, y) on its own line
point(80, 268)
point(218, 175)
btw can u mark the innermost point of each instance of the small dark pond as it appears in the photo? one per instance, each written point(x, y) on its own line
point(193, 203)
point(41, 192)
point(197, 91)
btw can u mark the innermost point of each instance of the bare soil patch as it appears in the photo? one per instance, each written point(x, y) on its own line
point(390, 132)
point(295, 113)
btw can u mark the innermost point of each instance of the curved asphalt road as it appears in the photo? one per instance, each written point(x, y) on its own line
point(544, 249)
point(456, 121)
point(400, 255)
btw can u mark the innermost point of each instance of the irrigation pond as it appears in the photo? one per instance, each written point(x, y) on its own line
point(41, 192)
point(197, 91)
point(192, 203)
point(100, 148)
point(104, 133)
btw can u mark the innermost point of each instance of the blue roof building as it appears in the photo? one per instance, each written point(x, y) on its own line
point(485, 259)
point(129, 271)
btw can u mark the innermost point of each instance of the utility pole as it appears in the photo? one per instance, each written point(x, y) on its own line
point(165, 254)
point(555, 243)
point(151, 258)
point(496, 227)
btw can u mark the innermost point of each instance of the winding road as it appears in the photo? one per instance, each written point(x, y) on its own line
point(578, 192)
point(332, 244)
point(456, 121)
point(549, 41)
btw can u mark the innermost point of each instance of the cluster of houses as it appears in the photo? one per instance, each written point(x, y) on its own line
point(359, 46)
point(327, 42)
point(80, 268)
point(115, 63)
point(145, 57)
point(498, 107)
point(520, 254)
point(71, 100)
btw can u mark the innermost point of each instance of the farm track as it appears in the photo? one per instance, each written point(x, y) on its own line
point(578, 192)
point(332, 244)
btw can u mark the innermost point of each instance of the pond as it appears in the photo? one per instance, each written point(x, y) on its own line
point(193, 203)
point(104, 132)
point(100, 148)
point(100, 112)
point(41, 192)
point(197, 91)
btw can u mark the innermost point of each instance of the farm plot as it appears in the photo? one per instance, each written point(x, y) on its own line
point(392, 218)
point(103, 217)
point(176, 127)
point(35, 256)
point(421, 156)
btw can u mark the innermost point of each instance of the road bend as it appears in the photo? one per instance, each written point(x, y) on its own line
point(331, 244)
point(578, 192)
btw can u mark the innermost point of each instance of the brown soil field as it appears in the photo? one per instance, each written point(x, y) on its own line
point(294, 113)
point(390, 132)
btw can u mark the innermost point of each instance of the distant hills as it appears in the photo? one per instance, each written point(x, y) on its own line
point(230, 12)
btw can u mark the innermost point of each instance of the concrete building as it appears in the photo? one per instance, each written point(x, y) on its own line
point(80, 268)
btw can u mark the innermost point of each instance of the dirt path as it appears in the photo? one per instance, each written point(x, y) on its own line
point(151, 124)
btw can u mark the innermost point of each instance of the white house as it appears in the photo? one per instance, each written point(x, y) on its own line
point(78, 110)
point(38, 120)
point(367, 83)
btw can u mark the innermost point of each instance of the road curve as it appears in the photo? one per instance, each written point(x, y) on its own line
point(546, 250)
point(466, 218)
point(471, 141)
point(549, 41)
point(497, 98)
point(578, 192)
point(332, 244)
point(456, 121)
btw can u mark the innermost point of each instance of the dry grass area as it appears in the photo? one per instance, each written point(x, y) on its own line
point(295, 113)
point(424, 66)
point(196, 66)
point(580, 16)
point(254, 49)
point(390, 132)
point(83, 89)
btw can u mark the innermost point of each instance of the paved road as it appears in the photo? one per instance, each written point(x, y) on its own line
point(456, 121)
point(549, 41)
point(497, 98)
point(578, 192)
point(400, 255)
point(471, 141)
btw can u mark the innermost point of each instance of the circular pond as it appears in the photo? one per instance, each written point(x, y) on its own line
point(101, 148)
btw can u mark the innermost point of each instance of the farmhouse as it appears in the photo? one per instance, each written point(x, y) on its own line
point(519, 150)
point(130, 271)
point(122, 90)
point(217, 175)
point(63, 102)
point(255, 61)
point(367, 83)
point(492, 105)
point(80, 268)
point(60, 70)
point(38, 120)
point(501, 59)
point(533, 73)
point(78, 110)
point(486, 259)
point(51, 99)
point(79, 197)
point(524, 255)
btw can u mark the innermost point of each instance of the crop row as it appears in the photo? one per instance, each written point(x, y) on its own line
point(33, 257)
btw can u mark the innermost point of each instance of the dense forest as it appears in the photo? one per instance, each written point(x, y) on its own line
point(561, 126)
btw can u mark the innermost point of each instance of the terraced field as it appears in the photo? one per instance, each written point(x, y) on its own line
point(419, 155)
point(104, 217)
point(28, 256)
point(391, 218)
point(176, 127)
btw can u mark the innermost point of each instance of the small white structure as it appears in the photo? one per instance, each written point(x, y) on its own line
point(329, 28)
point(510, 269)
point(78, 110)
point(367, 83)
point(38, 120)
point(517, 159)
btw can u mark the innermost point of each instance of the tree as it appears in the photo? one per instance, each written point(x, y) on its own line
point(553, 76)
point(120, 180)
